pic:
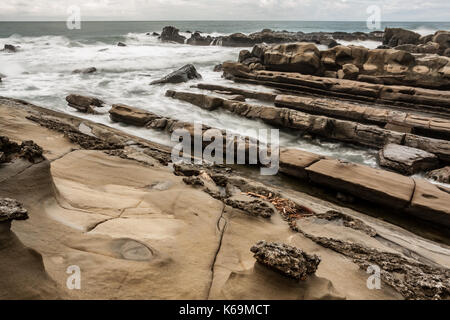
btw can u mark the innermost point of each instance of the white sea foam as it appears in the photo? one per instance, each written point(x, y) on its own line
point(41, 72)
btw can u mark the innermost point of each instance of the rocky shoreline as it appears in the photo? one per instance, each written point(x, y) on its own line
point(142, 227)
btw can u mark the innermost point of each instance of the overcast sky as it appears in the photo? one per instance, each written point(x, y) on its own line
point(392, 10)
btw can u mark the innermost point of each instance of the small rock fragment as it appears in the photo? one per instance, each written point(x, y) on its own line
point(288, 260)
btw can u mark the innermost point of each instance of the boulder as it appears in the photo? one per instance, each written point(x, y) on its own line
point(443, 39)
point(397, 36)
point(441, 175)
point(11, 209)
point(10, 48)
point(218, 68)
point(171, 34)
point(197, 39)
point(406, 160)
point(184, 74)
point(285, 259)
point(83, 103)
point(130, 115)
point(244, 55)
point(85, 70)
point(429, 47)
point(348, 71)
point(294, 57)
point(121, 44)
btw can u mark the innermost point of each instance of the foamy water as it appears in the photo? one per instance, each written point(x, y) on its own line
point(41, 72)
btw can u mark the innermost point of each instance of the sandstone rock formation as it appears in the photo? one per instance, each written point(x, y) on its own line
point(440, 175)
point(380, 66)
point(406, 160)
point(184, 74)
point(290, 261)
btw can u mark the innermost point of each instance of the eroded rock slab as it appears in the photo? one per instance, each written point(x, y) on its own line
point(406, 160)
point(440, 175)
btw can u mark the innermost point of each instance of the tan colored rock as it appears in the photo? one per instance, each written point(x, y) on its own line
point(348, 71)
point(293, 162)
point(430, 203)
point(406, 160)
point(198, 99)
point(440, 175)
point(294, 57)
point(83, 103)
point(378, 186)
point(130, 115)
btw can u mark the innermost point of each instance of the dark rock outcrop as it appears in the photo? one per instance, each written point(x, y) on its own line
point(85, 70)
point(397, 36)
point(27, 150)
point(184, 74)
point(289, 261)
point(171, 34)
point(10, 48)
point(83, 103)
point(197, 39)
point(121, 44)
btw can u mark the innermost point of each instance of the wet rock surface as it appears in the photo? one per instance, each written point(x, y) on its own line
point(440, 175)
point(184, 74)
point(407, 160)
point(83, 103)
point(171, 34)
point(85, 70)
point(397, 36)
point(288, 260)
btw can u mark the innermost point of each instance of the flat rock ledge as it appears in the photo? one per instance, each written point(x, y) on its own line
point(406, 160)
point(289, 261)
point(11, 209)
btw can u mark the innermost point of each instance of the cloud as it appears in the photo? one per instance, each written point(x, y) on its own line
point(420, 10)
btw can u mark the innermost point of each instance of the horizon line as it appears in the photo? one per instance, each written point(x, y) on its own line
point(238, 20)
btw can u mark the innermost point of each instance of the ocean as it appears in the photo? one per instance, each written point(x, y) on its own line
point(41, 72)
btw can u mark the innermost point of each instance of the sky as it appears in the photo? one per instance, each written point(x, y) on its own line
point(149, 10)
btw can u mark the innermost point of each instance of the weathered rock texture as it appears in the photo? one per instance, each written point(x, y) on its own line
point(184, 74)
point(290, 261)
point(11, 209)
point(386, 66)
point(407, 96)
point(27, 150)
point(406, 160)
point(440, 175)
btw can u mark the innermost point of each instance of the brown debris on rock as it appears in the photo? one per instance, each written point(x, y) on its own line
point(289, 261)
point(27, 150)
